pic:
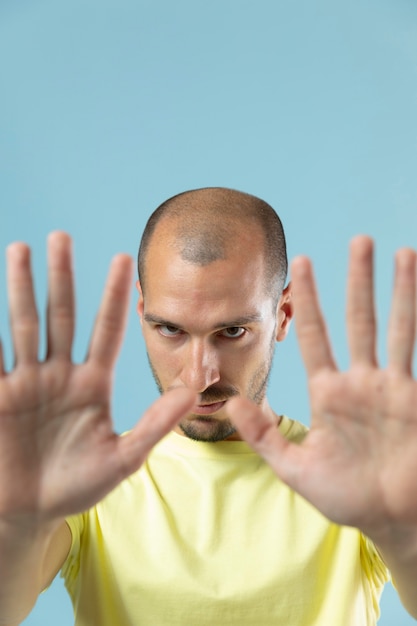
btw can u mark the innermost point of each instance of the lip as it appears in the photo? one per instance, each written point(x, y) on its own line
point(208, 409)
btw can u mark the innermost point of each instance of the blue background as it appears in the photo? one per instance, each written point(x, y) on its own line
point(109, 107)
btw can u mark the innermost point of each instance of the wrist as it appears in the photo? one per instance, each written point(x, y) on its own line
point(398, 540)
point(27, 527)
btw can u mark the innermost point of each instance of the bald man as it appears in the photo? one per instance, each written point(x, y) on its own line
point(181, 521)
point(213, 263)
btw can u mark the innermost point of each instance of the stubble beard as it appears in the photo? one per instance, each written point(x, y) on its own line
point(208, 428)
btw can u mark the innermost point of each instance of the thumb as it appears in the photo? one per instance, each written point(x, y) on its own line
point(156, 422)
point(264, 437)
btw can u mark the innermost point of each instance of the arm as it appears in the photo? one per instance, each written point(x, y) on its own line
point(359, 461)
point(58, 452)
point(30, 558)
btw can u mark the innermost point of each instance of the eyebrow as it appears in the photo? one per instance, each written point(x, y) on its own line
point(239, 321)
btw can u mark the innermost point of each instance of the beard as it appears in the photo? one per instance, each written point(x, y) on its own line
point(209, 428)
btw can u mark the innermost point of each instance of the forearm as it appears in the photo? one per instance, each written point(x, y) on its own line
point(398, 548)
point(22, 552)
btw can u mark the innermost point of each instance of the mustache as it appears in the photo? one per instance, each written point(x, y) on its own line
point(217, 394)
point(212, 394)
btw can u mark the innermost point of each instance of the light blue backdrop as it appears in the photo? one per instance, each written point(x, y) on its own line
point(108, 107)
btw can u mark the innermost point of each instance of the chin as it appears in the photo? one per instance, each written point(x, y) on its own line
point(207, 429)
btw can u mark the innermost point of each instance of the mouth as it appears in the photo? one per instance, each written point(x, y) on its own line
point(208, 409)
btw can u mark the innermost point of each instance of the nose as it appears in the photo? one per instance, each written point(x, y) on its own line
point(201, 366)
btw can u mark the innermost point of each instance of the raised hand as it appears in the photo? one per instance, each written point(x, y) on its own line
point(358, 464)
point(58, 452)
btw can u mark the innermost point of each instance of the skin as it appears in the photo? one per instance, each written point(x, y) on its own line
point(211, 329)
point(359, 462)
point(57, 442)
point(357, 465)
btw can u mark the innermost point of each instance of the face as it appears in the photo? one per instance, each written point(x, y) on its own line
point(212, 329)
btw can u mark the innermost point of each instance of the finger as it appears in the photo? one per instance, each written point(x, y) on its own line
point(111, 318)
point(156, 422)
point(309, 322)
point(60, 315)
point(2, 367)
point(402, 323)
point(264, 437)
point(361, 321)
point(23, 314)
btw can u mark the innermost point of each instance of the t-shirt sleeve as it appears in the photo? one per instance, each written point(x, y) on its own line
point(373, 563)
point(70, 569)
point(375, 571)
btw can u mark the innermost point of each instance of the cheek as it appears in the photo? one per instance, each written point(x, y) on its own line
point(257, 357)
point(239, 365)
point(258, 349)
point(166, 363)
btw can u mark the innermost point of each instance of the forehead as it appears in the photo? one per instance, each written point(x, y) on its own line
point(224, 289)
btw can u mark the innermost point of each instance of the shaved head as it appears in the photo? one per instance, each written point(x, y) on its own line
point(210, 224)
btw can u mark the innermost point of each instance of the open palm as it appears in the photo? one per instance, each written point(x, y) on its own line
point(359, 461)
point(58, 452)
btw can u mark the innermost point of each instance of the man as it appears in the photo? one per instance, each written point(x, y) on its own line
point(197, 529)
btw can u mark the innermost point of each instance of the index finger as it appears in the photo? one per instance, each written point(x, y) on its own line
point(402, 323)
point(111, 319)
point(361, 318)
point(309, 321)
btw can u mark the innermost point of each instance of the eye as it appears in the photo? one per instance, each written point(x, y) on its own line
point(168, 331)
point(234, 332)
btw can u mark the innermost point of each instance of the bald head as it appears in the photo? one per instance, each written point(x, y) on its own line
point(211, 224)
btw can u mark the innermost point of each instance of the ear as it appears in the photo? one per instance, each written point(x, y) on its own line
point(140, 304)
point(285, 313)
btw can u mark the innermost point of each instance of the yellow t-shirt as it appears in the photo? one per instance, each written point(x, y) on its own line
point(205, 534)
